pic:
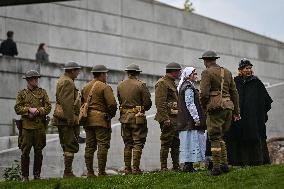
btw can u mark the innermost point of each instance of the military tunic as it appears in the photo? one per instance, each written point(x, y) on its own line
point(102, 107)
point(218, 121)
point(166, 97)
point(68, 98)
point(33, 127)
point(132, 93)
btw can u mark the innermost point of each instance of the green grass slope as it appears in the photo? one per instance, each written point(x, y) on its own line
point(251, 177)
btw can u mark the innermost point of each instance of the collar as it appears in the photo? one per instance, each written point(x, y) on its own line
point(68, 75)
point(132, 77)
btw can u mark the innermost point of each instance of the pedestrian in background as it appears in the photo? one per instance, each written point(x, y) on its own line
point(8, 47)
point(41, 54)
point(190, 121)
point(246, 140)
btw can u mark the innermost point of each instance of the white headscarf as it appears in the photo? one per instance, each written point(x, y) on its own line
point(184, 75)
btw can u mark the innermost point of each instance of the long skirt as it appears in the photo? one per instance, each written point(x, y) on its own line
point(192, 146)
point(247, 152)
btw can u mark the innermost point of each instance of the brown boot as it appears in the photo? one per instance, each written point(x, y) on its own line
point(102, 173)
point(91, 174)
point(68, 160)
point(25, 163)
point(25, 179)
point(127, 170)
point(224, 168)
point(37, 166)
point(136, 171)
point(164, 167)
point(215, 172)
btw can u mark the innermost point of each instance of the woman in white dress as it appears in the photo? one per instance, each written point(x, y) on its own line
point(190, 121)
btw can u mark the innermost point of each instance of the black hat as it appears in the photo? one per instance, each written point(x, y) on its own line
point(244, 62)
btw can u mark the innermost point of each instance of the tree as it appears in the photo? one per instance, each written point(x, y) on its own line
point(188, 6)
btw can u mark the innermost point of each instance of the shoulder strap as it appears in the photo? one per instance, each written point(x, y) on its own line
point(222, 80)
point(91, 92)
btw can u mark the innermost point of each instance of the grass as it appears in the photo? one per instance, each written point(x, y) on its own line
point(250, 177)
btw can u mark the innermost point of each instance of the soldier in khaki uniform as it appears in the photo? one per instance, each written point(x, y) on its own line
point(102, 108)
point(166, 97)
point(66, 113)
point(134, 99)
point(218, 118)
point(33, 105)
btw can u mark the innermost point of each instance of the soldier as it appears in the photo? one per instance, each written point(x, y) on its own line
point(33, 105)
point(101, 109)
point(166, 97)
point(66, 113)
point(219, 98)
point(134, 99)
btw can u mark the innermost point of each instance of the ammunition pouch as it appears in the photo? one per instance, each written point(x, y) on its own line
point(99, 118)
point(217, 102)
point(137, 112)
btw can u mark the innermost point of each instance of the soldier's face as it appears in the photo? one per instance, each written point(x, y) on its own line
point(33, 82)
point(104, 77)
point(247, 71)
point(176, 74)
point(76, 73)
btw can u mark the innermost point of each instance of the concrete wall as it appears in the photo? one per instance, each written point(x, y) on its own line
point(119, 32)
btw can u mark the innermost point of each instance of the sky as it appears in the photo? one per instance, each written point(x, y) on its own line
point(259, 16)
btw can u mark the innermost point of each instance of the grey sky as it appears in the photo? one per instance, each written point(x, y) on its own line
point(263, 17)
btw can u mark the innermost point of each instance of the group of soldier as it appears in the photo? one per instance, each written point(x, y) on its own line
point(134, 99)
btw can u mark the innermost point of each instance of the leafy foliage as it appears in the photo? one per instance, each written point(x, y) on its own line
point(13, 173)
point(188, 6)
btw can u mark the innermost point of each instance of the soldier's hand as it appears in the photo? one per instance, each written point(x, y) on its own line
point(167, 123)
point(236, 117)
